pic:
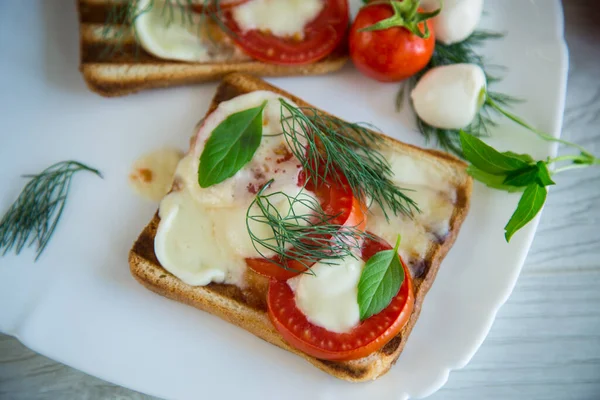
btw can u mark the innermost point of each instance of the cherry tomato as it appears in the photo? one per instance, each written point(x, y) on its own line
point(336, 200)
point(321, 37)
point(388, 55)
point(369, 336)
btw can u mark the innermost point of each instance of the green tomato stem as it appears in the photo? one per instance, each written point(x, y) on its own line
point(406, 15)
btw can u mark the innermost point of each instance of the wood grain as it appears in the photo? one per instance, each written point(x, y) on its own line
point(545, 343)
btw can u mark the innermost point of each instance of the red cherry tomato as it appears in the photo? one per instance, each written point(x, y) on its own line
point(369, 336)
point(321, 37)
point(388, 55)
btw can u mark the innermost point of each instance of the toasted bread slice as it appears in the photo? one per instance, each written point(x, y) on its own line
point(113, 64)
point(247, 308)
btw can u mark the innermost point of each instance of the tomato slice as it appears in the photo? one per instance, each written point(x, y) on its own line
point(337, 200)
point(321, 37)
point(369, 336)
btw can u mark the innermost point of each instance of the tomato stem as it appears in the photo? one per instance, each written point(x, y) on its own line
point(406, 15)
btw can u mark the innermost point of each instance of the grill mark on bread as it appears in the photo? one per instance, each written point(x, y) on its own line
point(367, 368)
point(96, 13)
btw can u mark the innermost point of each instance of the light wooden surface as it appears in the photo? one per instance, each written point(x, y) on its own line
point(545, 343)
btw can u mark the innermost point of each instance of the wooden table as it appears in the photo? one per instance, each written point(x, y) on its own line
point(545, 343)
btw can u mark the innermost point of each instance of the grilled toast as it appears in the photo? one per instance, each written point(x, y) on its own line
point(247, 308)
point(129, 69)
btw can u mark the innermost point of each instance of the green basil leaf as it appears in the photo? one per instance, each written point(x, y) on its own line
point(522, 177)
point(492, 181)
point(544, 178)
point(524, 157)
point(531, 203)
point(486, 158)
point(379, 282)
point(231, 145)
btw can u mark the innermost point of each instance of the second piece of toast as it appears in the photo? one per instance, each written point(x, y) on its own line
point(114, 64)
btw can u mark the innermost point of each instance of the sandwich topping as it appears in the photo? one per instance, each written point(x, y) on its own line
point(286, 32)
point(310, 202)
point(175, 33)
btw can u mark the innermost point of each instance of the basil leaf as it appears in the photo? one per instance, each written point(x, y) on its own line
point(231, 145)
point(522, 177)
point(544, 178)
point(523, 157)
point(492, 181)
point(379, 282)
point(531, 203)
point(488, 159)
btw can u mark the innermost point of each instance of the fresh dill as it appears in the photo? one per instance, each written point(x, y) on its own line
point(459, 53)
point(120, 22)
point(33, 217)
point(330, 148)
point(301, 232)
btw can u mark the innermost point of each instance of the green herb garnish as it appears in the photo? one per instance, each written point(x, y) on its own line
point(33, 217)
point(519, 172)
point(406, 15)
point(231, 145)
point(304, 236)
point(330, 148)
point(379, 282)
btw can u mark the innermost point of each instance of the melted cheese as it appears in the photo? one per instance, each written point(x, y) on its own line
point(151, 175)
point(329, 297)
point(435, 198)
point(166, 32)
point(273, 158)
point(203, 236)
point(450, 97)
point(283, 18)
point(186, 246)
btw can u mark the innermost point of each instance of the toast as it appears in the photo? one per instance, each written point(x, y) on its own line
point(247, 308)
point(131, 69)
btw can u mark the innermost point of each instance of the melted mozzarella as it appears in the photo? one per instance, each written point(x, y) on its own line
point(457, 20)
point(281, 18)
point(450, 97)
point(329, 297)
point(273, 158)
point(168, 33)
point(202, 236)
point(434, 197)
point(186, 246)
point(152, 174)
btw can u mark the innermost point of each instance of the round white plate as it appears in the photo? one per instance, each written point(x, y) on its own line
point(79, 305)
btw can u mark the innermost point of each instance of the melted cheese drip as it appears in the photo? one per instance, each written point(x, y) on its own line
point(282, 18)
point(151, 175)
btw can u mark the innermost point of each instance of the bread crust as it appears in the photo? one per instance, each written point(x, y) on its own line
point(248, 311)
point(132, 69)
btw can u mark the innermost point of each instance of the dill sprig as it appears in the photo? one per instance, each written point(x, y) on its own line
point(33, 217)
point(458, 53)
point(331, 148)
point(120, 21)
point(307, 237)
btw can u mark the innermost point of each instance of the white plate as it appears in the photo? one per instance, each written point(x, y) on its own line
point(80, 306)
